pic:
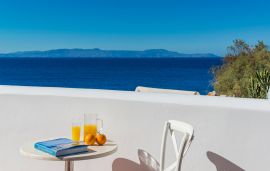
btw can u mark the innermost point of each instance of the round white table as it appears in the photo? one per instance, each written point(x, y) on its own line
point(108, 148)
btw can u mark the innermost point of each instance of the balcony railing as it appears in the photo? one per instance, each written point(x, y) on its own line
point(230, 132)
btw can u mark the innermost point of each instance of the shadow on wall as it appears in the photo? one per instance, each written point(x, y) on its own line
point(147, 163)
point(122, 164)
point(221, 163)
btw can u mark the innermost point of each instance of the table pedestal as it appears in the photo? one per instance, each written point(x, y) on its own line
point(69, 166)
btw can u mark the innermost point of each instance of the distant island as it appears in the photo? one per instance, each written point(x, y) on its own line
point(84, 53)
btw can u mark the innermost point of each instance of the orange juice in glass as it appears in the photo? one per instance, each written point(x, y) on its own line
point(76, 132)
point(90, 126)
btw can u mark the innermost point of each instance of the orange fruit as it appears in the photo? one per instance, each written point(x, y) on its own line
point(101, 139)
point(90, 139)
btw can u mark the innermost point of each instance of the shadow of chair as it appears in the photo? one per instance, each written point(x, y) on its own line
point(122, 164)
point(147, 163)
point(221, 163)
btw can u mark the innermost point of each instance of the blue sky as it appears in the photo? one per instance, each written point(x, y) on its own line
point(188, 26)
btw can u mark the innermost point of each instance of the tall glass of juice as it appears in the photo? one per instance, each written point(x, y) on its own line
point(90, 125)
point(76, 131)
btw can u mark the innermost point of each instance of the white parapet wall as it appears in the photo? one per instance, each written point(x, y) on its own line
point(229, 132)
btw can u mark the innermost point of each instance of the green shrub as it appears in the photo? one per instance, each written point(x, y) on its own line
point(241, 74)
point(259, 84)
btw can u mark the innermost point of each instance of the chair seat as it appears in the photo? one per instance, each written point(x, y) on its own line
point(147, 161)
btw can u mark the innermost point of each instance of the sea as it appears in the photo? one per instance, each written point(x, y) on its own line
point(110, 73)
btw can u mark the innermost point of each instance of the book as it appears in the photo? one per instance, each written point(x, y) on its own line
point(61, 147)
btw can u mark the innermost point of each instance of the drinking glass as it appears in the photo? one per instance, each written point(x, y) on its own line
point(76, 131)
point(90, 125)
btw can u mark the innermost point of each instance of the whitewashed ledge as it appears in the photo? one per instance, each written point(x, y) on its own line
point(236, 129)
point(208, 101)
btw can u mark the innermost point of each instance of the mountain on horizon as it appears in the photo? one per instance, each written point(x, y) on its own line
point(61, 53)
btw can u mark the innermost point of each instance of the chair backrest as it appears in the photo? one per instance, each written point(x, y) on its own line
point(171, 127)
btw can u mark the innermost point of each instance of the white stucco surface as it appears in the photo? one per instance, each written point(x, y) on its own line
point(234, 128)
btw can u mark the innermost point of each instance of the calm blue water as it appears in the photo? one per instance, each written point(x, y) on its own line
point(107, 73)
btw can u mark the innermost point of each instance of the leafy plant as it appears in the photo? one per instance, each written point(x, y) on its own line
point(238, 75)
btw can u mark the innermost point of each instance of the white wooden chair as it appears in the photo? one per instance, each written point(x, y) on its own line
point(171, 127)
point(180, 149)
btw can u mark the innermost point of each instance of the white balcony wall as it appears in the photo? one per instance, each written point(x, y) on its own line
point(237, 129)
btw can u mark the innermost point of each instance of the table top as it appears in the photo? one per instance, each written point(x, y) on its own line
point(95, 151)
